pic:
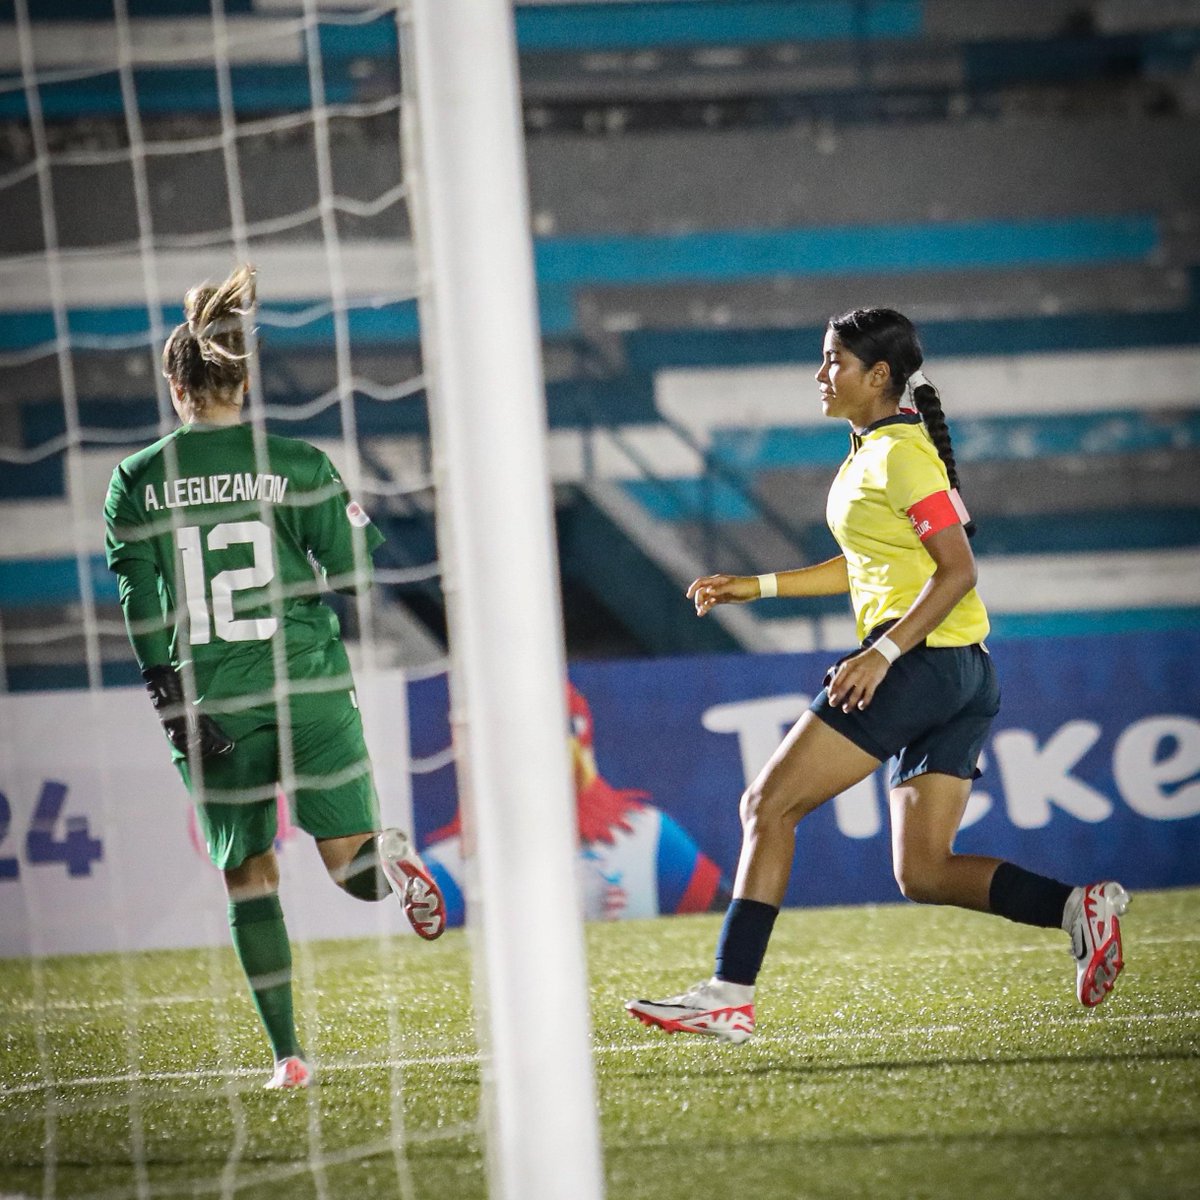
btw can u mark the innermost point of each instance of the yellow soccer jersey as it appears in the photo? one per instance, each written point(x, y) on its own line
point(890, 493)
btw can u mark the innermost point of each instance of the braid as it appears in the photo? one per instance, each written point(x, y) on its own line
point(885, 335)
point(929, 405)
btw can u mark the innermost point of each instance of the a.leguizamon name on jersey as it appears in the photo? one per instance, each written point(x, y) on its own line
point(214, 489)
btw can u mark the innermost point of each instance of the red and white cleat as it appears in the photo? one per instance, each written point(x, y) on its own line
point(290, 1072)
point(1095, 931)
point(409, 878)
point(714, 1008)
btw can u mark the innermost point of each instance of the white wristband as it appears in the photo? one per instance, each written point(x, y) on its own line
point(887, 648)
point(768, 586)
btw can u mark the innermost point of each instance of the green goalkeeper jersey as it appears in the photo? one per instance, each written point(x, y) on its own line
point(220, 554)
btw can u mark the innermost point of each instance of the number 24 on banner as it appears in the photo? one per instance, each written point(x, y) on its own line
point(76, 849)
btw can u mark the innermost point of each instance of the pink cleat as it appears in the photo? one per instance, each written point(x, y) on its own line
point(292, 1072)
point(1096, 939)
point(412, 883)
point(715, 1008)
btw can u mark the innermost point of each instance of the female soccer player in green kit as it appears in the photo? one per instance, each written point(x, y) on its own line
point(921, 691)
point(221, 547)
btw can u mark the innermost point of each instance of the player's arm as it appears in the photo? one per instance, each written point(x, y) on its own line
point(339, 536)
point(187, 729)
point(954, 575)
point(829, 578)
point(939, 518)
point(922, 496)
point(131, 558)
point(137, 587)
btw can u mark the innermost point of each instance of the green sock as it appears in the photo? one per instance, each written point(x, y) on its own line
point(261, 943)
point(365, 879)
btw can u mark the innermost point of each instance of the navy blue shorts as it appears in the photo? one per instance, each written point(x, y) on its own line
point(930, 714)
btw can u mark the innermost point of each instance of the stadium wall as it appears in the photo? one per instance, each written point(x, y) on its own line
point(1092, 769)
point(99, 849)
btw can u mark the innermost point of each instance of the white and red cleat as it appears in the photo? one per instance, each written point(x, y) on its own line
point(1095, 930)
point(714, 1008)
point(290, 1072)
point(409, 878)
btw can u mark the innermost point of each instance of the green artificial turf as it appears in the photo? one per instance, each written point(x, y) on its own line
point(902, 1052)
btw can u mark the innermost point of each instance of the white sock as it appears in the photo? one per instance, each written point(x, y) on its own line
point(733, 994)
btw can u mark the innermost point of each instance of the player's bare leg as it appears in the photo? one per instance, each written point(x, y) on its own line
point(926, 813)
point(372, 866)
point(812, 764)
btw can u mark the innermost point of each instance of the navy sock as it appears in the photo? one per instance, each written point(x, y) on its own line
point(1027, 898)
point(743, 941)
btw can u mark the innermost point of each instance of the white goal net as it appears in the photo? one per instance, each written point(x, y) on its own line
point(145, 150)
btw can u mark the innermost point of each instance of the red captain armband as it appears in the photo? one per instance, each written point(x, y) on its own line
point(938, 512)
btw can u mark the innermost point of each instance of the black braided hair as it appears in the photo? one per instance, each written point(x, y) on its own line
point(206, 357)
point(884, 335)
point(929, 405)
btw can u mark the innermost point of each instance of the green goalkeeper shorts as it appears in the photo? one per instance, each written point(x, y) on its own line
point(332, 792)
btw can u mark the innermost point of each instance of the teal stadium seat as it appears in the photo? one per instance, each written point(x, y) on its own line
point(709, 180)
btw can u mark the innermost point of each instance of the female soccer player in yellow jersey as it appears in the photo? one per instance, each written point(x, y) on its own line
point(921, 690)
point(218, 544)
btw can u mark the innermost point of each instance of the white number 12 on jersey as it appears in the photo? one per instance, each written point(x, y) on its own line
point(225, 583)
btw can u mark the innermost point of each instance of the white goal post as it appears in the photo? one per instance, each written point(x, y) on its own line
point(465, 163)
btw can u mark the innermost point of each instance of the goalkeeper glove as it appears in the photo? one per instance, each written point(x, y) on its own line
point(187, 729)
